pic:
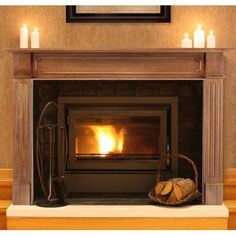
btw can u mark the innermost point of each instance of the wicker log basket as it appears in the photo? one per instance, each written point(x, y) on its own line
point(194, 194)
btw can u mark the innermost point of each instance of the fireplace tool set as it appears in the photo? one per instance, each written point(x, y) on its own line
point(53, 187)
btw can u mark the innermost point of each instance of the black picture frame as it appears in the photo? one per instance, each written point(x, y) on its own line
point(163, 17)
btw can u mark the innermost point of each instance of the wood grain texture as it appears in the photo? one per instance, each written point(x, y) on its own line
point(5, 184)
point(119, 51)
point(3, 207)
point(23, 142)
point(123, 64)
point(116, 223)
point(213, 141)
point(5, 195)
point(214, 65)
point(22, 65)
point(230, 184)
point(231, 204)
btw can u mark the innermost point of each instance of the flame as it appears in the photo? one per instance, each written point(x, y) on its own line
point(109, 139)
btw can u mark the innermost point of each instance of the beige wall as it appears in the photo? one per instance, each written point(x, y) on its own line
point(55, 33)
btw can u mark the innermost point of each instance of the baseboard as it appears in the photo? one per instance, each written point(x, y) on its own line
point(116, 223)
point(4, 204)
point(5, 184)
point(5, 195)
point(231, 205)
point(230, 184)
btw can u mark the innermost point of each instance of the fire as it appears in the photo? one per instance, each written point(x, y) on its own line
point(109, 139)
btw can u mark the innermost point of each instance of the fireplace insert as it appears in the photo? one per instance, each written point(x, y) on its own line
point(115, 143)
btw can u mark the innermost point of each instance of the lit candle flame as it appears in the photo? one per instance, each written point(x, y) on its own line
point(36, 29)
point(211, 32)
point(186, 35)
point(24, 25)
point(199, 26)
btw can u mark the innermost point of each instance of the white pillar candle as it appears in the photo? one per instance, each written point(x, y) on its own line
point(24, 36)
point(211, 40)
point(186, 41)
point(35, 38)
point(199, 37)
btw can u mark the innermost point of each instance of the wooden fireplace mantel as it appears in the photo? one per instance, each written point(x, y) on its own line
point(120, 64)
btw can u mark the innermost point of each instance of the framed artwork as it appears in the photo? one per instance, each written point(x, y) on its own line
point(118, 14)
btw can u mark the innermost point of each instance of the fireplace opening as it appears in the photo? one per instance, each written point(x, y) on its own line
point(118, 131)
point(122, 137)
point(128, 136)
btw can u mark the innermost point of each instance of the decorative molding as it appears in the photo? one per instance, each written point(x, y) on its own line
point(138, 64)
point(214, 65)
point(22, 65)
point(213, 141)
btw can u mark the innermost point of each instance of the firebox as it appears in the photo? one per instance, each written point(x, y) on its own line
point(115, 144)
point(117, 133)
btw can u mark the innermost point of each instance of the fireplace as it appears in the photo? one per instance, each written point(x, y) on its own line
point(115, 143)
point(127, 97)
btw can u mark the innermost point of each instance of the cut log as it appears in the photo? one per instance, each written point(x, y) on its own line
point(168, 185)
point(183, 188)
point(177, 192)
point(168, 188)
point(159, 187)
point(172, 198)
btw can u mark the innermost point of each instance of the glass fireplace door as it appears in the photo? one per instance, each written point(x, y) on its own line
point(116, 134)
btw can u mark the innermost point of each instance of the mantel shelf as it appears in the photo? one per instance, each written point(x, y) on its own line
point(123, 50)
point(139, 63)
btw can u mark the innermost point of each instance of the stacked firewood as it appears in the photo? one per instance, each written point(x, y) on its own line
point(174, 190)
